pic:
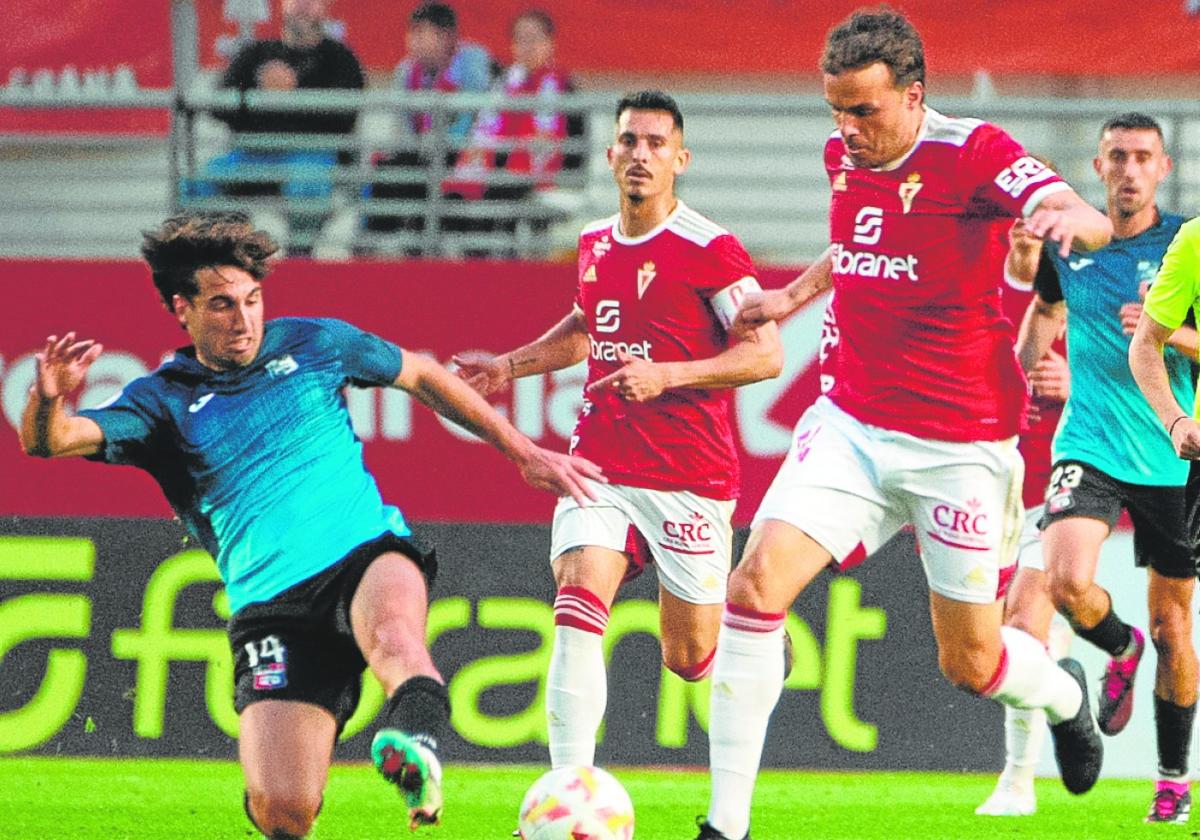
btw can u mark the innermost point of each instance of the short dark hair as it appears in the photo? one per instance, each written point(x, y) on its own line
point(1135, 120)
point(876, 35)
point(539, 16)
point(189, 242)
point(650, 100)
point(438, 14)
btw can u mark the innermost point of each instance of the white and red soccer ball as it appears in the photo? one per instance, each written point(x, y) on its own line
point(576, 803)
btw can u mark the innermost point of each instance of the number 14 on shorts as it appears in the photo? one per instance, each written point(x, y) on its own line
point(268, 663)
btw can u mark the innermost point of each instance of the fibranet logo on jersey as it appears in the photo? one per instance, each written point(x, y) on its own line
point(866, 264)
point(606, 351)
point(608, 316)
point(868, 226)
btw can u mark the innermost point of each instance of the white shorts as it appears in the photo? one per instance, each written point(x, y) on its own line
point(850, 486)
point(1029, 549)
point(689, 537)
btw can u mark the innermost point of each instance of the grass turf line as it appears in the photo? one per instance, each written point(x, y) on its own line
point(132, 799)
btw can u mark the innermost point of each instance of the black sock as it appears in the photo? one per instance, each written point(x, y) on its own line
point(1111, 634)
point(421, 708)
point(1174, 727)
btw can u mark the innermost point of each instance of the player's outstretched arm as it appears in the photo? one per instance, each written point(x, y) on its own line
point(564, 344)
point(449, 396)
point(47, 431)
point(760, 308)
point(1066, 219)
point(1150, 372)
point(1042, 324)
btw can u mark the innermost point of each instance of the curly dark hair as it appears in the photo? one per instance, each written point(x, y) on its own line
point(186, 243)
point(875, 35)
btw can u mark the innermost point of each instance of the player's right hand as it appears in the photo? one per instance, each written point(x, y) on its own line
point(63, 364)
point(1185, 437)
point(562, 474)
point(482, 371)
point(759, 308)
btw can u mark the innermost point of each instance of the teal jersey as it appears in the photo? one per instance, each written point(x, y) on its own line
point(261, 463)
point(1107, 423)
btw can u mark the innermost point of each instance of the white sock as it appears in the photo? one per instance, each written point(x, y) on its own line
point(747, 680)
point(577, 682)
point(1030, 679)
point(1024, 734)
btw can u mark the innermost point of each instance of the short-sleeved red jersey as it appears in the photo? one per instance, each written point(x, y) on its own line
point(651, 297)
point(923, 346)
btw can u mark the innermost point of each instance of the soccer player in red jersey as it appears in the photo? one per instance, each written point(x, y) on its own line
point(659, 285)
point(920, 423)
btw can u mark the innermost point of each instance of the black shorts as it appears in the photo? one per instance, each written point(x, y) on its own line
point(299, 645)
point(1192, 500)
point(1160, 525)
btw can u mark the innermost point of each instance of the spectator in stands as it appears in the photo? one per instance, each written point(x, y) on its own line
point(518, 142)
point(437, 60)
point(525, 144)
point(303, 58)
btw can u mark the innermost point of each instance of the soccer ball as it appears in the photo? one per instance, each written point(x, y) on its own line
point(576, 803)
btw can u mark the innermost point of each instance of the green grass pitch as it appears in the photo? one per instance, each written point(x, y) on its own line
point(84, 799)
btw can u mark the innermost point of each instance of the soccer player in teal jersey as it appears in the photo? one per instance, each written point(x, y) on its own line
point(1110, 454)
point(248, 434)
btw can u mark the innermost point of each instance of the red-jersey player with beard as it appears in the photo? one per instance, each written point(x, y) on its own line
point(920, 423)
point(658, 287)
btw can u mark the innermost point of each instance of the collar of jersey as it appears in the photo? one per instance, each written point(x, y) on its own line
point(185, 363)
point(638, 240)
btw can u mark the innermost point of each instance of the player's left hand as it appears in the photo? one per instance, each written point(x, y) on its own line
point(1131, 312)
point(1050, 378)
point(562, 474)
point(1055, 225)
point(637, 381)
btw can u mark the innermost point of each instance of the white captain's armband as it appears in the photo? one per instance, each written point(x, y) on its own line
point(726, 302)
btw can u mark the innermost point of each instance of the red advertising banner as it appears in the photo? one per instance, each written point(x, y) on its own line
point(68, 44)
point(431, 469)
point(90, 47)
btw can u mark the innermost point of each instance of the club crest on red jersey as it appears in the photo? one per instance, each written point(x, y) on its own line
point(645, 277)
point(908, 190)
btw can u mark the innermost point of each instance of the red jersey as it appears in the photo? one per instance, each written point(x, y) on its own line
point(923, 346)
point(1035, 439)
point(653, 297)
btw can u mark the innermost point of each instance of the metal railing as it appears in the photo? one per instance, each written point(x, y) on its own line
point(756, 167)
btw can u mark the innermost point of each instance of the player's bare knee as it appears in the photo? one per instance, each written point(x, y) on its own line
point(1171, 633)
point(1069, 594)
point(969, 672)
point(282, 816)
point(689, 662)
point(748, 582)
